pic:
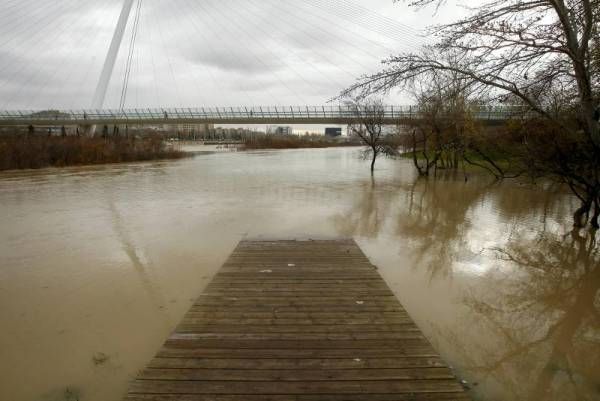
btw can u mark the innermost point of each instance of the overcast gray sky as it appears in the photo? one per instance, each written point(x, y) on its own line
point(193, 53)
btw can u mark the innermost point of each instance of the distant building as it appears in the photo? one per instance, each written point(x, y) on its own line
point(333, 132)
point(190, 128)
point(278, 130)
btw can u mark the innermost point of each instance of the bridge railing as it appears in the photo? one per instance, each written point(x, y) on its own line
point(216, 114)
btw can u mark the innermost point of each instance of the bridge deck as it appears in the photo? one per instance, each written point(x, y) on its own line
point(297, 321)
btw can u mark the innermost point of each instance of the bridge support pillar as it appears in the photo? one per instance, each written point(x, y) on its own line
point(111, 58)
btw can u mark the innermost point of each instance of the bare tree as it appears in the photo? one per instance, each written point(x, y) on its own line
point(369, 128)
point(443, 120)
point(525, 51)
point(510, 47)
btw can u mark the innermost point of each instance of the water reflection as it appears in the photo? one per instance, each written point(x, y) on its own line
point(532, 324)
point(486, 269)
point(437, 220)
point(547, 317)
point(368, 213)
point(133, 254)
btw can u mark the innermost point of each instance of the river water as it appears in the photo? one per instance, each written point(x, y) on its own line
point(98, 264)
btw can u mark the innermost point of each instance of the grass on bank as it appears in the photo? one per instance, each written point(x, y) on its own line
point(40, 151)
point(477, 161)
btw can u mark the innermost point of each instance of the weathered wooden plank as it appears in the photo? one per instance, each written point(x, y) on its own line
point(301, 397)
point(268, 280)
point(229, 374)
point(294, 353)
point(265, 287)
point(199, 326)
point(221, 338)
point(243, 294)
point(297, 321)
point(194, 341)
point(284, 337)
point(272, 271)
point(353, 323)
point(293, 300)
point(290, 363)
point(296, 284)
point(277, 315)
point(300, 387)
point(346, 308)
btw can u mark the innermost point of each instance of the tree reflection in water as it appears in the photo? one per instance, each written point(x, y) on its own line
point(547, 318)
point(533, 311)
point(437, 219)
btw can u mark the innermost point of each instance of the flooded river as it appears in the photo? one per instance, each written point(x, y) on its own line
point(98, 264)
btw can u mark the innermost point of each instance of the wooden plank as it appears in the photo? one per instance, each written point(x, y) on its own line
point(290, 363)
point(299, 387)
point(246, 374)
point(259, 353)
point(351, 308)
point(184, 340)
point(297, 329)
point(279, 316)
point(301, 397)
point(297, 321)
point(234, 339)
point(352, 323)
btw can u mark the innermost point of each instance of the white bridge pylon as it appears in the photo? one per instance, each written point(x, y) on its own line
point(111, 56)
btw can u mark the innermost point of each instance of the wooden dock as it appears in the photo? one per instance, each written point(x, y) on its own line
point(297, 321)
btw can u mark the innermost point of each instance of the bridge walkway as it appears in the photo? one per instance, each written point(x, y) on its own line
point(297, 321)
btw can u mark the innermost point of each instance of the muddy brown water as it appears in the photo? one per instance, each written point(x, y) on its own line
point(98, 264)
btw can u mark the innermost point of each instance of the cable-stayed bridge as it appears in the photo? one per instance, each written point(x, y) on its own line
point(190, 53)
point(339, 115)
point(140, 54)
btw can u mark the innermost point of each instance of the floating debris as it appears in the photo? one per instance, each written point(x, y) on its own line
point(100, 358)
point(266, 271)
point(71, 395)
point(360, 302)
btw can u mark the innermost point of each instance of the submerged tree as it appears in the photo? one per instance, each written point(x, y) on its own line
point(369, 128)
point(440, 133)
point(523, 51)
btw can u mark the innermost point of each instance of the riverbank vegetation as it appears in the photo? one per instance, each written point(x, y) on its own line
point(537, 61)
point(295, 142)
point(21, 151)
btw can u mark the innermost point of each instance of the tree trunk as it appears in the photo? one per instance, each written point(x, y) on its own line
point(581, 215)
point(595, 223)
point(414, 154)
point(373, 162)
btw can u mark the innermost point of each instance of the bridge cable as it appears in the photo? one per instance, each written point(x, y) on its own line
point(48, 49)
point(261, 17)
point(248, 51)
point(359, 16)
point(130, 54)
point(267, 49)
point(66, 83)
point(294, 17)
point(366, 17)
point(217, 34)
point(201, 87)
point(370, 21)
point(43, 43)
